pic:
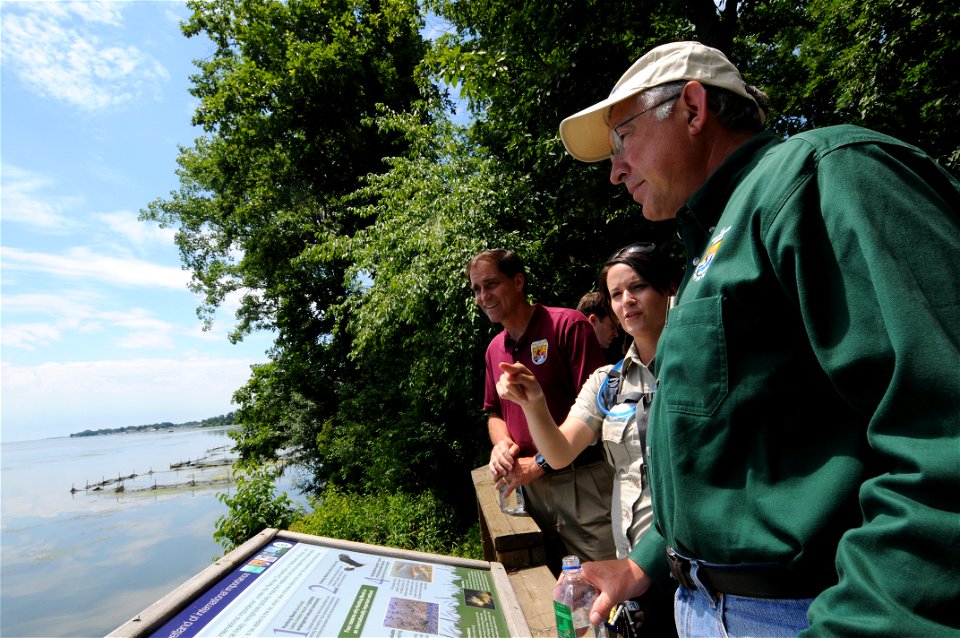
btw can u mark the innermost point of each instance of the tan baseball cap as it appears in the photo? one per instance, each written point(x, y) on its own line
point(586, 134)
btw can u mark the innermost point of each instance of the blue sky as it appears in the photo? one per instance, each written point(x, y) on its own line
point(97, 327)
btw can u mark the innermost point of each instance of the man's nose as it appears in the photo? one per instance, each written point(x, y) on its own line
point(618, 170)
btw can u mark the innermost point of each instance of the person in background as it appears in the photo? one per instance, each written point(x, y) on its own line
point(637, 282)
point(803, 440)
point(570, 503)
point(604, 325)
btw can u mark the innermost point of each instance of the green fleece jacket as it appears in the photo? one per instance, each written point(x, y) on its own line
point(808, 411)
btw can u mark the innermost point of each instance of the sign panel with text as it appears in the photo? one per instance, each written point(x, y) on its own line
point(292, 588)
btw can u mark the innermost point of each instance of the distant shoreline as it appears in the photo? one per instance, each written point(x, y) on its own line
point(224, 420)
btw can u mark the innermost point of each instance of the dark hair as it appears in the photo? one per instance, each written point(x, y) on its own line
point(658, 269)
point(593, 303)
point(506, 261)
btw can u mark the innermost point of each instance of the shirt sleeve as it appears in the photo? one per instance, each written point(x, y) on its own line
point(650, 553)
point(585, 407)
point(491, 400)
point(875, 272)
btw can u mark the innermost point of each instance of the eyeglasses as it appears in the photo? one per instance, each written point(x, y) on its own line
point(640, 247)
point(616, 139)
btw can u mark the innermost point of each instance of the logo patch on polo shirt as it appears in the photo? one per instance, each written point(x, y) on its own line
point(538, 351)
point(709, 255)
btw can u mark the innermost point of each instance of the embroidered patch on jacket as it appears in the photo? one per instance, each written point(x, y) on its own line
point(709, 255)
point(538, 351)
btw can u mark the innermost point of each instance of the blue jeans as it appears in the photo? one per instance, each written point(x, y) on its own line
point(698, 613)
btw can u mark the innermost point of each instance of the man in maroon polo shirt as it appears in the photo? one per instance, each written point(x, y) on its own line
point(572, 504)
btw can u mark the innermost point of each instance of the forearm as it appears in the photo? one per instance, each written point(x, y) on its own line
point(497, 429)
point(553, 443)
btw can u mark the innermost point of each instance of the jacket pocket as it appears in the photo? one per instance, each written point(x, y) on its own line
point(693, 370)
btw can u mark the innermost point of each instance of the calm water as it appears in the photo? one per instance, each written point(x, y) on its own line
point(82, 564)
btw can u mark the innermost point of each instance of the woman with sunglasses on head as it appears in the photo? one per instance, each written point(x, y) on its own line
point(636, 283)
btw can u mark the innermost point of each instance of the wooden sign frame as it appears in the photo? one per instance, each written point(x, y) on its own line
point(330, 587)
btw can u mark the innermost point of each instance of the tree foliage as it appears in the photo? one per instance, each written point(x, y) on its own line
point(333, 194)
point(885, 64)
point(889, 65)
point(420, 522)
point(287, 98)
point(254, 506)
point(523, 67)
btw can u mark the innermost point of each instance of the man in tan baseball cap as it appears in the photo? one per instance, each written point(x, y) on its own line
point(585, 134)
point(781, 481)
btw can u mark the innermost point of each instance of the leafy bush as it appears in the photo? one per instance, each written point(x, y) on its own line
point(416, 522)
point(253, 507)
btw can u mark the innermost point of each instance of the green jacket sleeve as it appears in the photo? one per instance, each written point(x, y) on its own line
point(869, 245)
point(650, 553)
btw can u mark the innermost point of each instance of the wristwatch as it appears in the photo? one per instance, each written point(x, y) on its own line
point(542, 462)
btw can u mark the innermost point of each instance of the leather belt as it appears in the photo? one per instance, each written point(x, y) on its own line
point(591, 454)
point(769, 580)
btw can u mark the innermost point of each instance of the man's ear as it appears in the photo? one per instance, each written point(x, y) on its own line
point(693, 101)
point(593, 319)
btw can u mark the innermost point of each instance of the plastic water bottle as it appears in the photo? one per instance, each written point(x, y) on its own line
point(513, 503)
point(572, 598)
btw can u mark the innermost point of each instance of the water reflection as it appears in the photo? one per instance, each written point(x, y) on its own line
point(82, 564)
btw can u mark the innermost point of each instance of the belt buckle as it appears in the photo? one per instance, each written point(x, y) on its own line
point(680, 568)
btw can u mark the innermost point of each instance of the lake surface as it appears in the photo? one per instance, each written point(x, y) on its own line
point(83, 563)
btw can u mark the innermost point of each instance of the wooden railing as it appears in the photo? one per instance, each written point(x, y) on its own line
point(516, 542)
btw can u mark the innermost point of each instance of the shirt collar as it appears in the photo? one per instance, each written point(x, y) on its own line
point(535, 319)
point(702, 207)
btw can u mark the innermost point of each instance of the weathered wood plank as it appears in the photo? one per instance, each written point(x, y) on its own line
point(534, 591)
point(514, 541)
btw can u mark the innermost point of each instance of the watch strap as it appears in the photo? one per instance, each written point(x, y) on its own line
point(542, 462)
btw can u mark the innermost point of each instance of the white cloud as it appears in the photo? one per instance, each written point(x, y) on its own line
point(103, 11)
point(21, 200)
point(54, 399)
point(78, 313)
point(53, 50)
point(146, 341)
point(69, 312)
point(24, 199)
point(127, 225)
point(172, 16)
point(83, 264)
point(70, 304)
point(145, 330)
point(27, 336)
point(108, 174)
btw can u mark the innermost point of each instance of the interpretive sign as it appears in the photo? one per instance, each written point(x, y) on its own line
point(301, 585)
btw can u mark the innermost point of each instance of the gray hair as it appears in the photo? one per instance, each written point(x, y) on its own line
point(734, 111)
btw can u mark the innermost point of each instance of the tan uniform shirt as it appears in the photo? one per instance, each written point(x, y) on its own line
point(630, 509)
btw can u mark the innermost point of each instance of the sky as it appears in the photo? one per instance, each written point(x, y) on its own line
point(97, 326)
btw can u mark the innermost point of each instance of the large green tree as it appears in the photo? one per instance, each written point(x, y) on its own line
point(287, 98)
